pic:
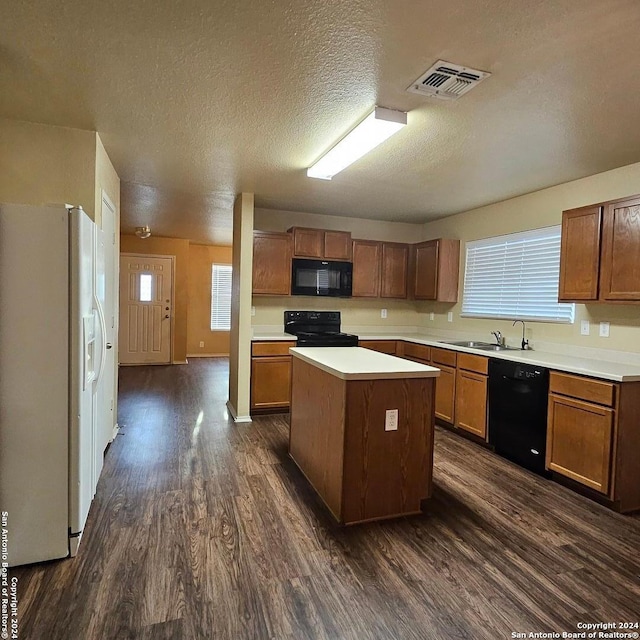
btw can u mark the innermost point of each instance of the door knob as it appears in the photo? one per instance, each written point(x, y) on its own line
point(109, 345)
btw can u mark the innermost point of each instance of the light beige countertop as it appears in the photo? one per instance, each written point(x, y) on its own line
point(356, 363)
point(587, 366)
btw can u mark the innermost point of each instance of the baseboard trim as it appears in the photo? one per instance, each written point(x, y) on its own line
point(207, 355)
point(114, 433)
point(235, 416)
point(185, 361)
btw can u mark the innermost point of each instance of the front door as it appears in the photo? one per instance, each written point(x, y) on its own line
point(146, 303)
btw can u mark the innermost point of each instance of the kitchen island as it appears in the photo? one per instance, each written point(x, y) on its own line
point(362, 430)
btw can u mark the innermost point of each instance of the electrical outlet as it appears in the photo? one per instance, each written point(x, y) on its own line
point(391, 420)
point(432, 316)
point(253, 311)
point(202, 344)
point(604, 329)
point(383, 313)
point(450, 316)
point(584, 328)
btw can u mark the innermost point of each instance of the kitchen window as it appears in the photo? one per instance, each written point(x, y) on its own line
point(515, 276)
point(220, 297)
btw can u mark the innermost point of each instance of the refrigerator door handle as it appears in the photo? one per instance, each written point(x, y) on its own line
point(103, 340)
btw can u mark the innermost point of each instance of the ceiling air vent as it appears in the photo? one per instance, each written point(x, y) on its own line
point(447, 81)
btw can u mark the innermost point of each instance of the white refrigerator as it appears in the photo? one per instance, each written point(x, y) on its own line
point(52, 354)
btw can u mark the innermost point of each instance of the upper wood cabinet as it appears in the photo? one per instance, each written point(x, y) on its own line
point(337, 245)
point(367, 255)
point(394, 270)
point(435, 269)
point(271, 263)
point(580, 254)
point(307, 243)
point(620, 258)
point(600, 253)
point(321, 244)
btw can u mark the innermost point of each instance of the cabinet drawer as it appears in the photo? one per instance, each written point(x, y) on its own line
point(469, 362)
point(583, 388)
point(384, 346)
point(418, 351)
point(443, 356)
point(280, 348)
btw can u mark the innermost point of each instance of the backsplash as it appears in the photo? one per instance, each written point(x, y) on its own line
point(269, 310)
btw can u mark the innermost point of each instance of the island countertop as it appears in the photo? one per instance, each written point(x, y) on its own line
point(357, 363)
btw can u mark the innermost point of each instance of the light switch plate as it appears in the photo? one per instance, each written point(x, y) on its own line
point(432, 316)
point(450, 316)
point(391, 420)
point(604, 329)
point(202, 344)
point(383, 313)
point(584, 328)
point(253, 311)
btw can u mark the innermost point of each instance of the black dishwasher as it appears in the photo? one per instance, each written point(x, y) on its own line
point(518, 412)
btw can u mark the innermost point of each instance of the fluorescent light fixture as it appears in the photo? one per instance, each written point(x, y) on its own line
point(379, 125)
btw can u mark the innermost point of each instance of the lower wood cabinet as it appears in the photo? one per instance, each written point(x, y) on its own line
point(270, 376)
point(471, 394)
point(580, 422)
point(579, 441)
point(383, 346)
point(445, 360)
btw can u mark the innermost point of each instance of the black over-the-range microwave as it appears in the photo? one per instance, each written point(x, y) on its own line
point(321, 278)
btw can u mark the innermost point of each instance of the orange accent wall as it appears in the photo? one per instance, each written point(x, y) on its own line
point(201, 257)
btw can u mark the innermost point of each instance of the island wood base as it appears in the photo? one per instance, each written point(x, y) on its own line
point(338, 440)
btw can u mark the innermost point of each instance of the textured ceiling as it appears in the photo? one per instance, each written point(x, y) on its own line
point(197, 100)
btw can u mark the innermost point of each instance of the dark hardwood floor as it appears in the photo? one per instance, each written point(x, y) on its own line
point(202, 528)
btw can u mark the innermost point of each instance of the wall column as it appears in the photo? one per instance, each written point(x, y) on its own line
point(241, 286)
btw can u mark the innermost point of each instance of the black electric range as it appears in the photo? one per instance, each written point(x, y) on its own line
point(317, 329)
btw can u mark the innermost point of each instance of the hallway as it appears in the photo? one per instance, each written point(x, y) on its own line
point(202, 528)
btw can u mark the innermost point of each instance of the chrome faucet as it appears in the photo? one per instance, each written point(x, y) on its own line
point(525, 343)
point(499, 338)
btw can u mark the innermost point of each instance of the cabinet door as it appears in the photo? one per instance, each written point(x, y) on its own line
point(579, 441)
point(271, 263)
point(308, 243)
point(580, 254)
point(393, 273)
point(471, 402)
point(445, 393)
point(270, 382)
point(366, 268)
point(426, 270)
point(620, 263)
point(337, 245)
point(435, 270)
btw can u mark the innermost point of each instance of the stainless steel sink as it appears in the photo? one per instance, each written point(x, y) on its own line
point(472, 344)
point(497, 347)
point(483, 346)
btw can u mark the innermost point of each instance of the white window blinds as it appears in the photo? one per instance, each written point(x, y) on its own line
point(220, 297)
point(515, 276)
